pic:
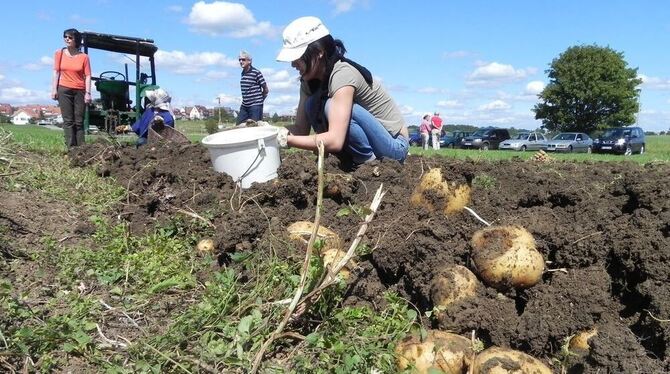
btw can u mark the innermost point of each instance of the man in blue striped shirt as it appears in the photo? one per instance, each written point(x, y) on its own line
point(254, 90)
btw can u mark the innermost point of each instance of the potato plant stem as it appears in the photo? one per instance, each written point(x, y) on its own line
point(305, 266)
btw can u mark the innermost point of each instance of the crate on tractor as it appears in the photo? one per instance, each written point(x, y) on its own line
point(115, 106)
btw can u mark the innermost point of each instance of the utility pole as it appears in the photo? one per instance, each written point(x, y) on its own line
point(219, 99)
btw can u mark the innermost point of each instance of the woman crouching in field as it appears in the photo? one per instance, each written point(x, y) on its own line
point(353, 115)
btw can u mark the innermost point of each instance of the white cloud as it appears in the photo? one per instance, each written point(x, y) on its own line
point(44, 62)
point(280, 80)
point(228, 100)
point(182, 63)
point(449, 104)
point(495, 105)
point(654, 83)
point(496, 73)
point(534, 88)
point(2, 77)
point(227, 19)
point(216, 74)
point(20, 95)
point(342, 6)
point(175, 8)
point(430, 90)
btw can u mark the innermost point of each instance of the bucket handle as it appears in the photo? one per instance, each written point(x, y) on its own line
point(261, 152)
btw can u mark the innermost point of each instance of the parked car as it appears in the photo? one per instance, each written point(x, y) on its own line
point(570, 142)
point(531, 141)
point(447, 140)
point(623, 140)
point(485, 139)
point(414, 135)
point(452, 139)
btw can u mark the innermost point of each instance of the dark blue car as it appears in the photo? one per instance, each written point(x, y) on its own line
point(449, 139)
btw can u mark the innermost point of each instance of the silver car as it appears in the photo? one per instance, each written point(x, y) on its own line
point(531, 141)
point(570, 142)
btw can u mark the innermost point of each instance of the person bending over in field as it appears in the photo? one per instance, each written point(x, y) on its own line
point(352, 114)
point(157, 110)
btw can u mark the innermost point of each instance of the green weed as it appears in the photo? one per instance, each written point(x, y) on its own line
point(484, 181)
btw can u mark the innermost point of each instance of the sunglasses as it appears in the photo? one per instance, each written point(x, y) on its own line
point(68, 37)
point(242, 59)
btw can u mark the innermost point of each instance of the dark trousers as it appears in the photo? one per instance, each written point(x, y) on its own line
point(254, 112)
point(71, 102)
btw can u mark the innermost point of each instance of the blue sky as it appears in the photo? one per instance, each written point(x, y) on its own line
point(476, 62)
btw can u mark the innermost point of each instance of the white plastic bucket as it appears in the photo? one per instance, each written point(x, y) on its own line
point(248, 154)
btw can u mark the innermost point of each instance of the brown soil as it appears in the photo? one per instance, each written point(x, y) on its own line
point(606, 224)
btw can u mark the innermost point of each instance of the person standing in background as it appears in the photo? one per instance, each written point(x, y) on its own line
point(436, 130)
point(254, 90)
point(425, 130)
point(71, 86)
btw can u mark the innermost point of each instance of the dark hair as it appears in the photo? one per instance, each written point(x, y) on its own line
point(333, 50)
point(75, 34)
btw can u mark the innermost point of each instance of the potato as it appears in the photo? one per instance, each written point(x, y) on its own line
point(506, 256)
point(206, 245)
point(300, 231)
point(443, 351)
point(497, 360)
point(451, 284)
point(452, 198)
point(457, 199)
point(332, 256)
point(579, 343)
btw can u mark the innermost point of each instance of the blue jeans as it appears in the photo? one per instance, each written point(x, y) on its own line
point(367, 139)
point(254, 112)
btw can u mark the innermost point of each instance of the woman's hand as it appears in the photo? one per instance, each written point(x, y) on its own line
point(87, 98)
point(54, 94)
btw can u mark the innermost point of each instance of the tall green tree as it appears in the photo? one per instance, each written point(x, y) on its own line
point(590, 88)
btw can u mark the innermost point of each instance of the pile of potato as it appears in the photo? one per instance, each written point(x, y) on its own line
point(454, 354)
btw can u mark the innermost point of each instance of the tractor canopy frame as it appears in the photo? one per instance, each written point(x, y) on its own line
point(114, 107)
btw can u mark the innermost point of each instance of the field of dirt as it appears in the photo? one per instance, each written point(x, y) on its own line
point(603, 227)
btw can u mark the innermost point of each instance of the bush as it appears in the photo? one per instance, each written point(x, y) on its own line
point(211, 126)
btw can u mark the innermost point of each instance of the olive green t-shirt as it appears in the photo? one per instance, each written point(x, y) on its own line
point(371, 97)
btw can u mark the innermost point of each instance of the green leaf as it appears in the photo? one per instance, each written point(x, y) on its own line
point(245, 325)
point(343, 212)
point(164, 285)
point(411, 314)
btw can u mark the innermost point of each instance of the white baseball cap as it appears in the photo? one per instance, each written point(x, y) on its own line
point(297, 36)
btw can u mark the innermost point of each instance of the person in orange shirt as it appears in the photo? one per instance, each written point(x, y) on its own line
point(71, 86)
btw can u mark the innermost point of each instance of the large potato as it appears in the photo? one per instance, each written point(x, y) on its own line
point(505, 256)
point(443, 351)
point(451, 284)
point(301, 231)
point(497, 360)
